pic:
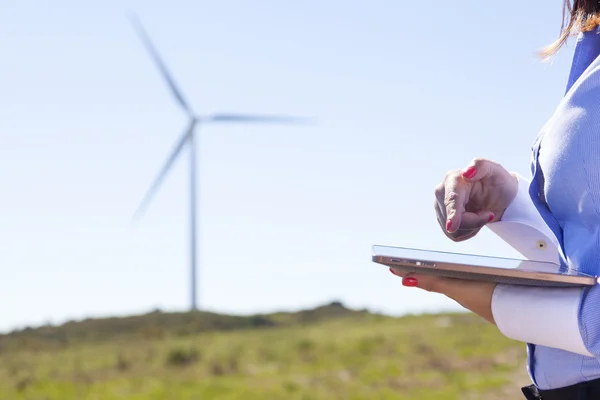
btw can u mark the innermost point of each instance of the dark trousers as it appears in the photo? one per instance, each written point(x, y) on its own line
point(581, 391)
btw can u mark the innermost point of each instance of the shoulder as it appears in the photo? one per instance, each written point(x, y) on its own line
point(576, 120)
point(585, 92)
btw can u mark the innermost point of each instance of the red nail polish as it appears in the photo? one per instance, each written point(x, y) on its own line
point(410, 282)
point(392, 271)
point(448, 225)
point(491, 218)
point(470, 172)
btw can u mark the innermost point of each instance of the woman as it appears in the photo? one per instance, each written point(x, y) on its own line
point(554, 217)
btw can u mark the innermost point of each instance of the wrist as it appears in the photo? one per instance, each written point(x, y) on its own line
point(475, 296)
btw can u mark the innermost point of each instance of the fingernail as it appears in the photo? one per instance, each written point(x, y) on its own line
point(410, 282)
point(448, 225)
point(392, 271)
point(491, 218)
point(470, 172)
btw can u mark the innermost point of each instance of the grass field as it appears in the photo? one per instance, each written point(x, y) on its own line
point(326, 353)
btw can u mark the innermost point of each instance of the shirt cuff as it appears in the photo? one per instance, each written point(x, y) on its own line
point(524, 229)
point(542, 316)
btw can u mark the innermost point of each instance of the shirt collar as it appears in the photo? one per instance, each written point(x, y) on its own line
point(587, 49)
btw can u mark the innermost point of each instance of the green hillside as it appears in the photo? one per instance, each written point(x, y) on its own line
point(329, 352)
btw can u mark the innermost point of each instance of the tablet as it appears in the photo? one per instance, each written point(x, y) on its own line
point(480, 268)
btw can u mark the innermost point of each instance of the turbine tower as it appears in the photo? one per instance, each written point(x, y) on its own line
point(188, 138)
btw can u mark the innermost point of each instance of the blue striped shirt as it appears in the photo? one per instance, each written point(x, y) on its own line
point(562, 326)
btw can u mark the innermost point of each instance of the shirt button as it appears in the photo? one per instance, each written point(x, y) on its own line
point(541, 244)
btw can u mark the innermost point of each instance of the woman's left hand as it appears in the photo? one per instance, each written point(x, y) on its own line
point(473, 295)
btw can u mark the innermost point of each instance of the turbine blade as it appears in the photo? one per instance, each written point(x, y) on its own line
point(165, 169)
point(137, 25)
point(252, 118)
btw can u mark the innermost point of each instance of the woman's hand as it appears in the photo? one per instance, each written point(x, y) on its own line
point(468, 199)
point(473, 295)
point(464, 203)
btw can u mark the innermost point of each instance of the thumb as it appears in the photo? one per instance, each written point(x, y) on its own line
point(476, 220)
point(478, 169)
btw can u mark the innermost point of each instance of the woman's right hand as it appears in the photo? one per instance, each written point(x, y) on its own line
point(470, 198)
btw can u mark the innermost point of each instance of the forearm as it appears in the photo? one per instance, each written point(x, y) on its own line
point(479, 301)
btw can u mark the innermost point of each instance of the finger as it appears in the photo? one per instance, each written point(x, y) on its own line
point(476, 220)
point(440, 214)
point(457, 236)
point(398, 273)
point(430, 283)
point(454, 201)
point(440, 208)
point(440, 193)
point(478, 169)
point(450, 287)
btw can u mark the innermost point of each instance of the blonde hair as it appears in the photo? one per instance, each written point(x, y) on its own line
point(578, 16)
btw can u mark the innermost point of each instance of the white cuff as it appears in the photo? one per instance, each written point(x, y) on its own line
point(541, 316)
point(523, 228)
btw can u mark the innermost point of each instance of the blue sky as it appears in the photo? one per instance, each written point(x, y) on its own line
point(402, 92)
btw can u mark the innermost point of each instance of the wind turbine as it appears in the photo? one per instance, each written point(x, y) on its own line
point(188, 138)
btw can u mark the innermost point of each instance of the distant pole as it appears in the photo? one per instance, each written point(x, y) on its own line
point(193, 207)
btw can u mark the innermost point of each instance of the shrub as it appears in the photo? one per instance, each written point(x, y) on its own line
point(182, 357)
